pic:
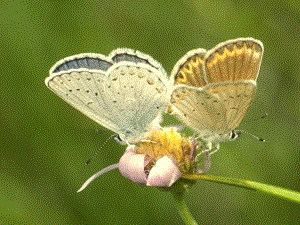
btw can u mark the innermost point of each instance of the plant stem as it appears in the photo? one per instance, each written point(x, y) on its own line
point(264, 188)
point(182, 208)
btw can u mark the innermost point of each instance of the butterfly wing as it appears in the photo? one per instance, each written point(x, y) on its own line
point(199, 109)
point(115, 91)
point(228, 76)
point(141, 85)
point(234, 60)
point(80, 81)
point(236, 97)
point(189, 69)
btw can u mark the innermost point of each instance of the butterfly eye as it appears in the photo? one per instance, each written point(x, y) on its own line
point(234, 135)
point(117, 138)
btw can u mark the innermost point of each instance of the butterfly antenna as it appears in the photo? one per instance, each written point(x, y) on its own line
point(262, 117)
point(246, 132)
point(91, 159)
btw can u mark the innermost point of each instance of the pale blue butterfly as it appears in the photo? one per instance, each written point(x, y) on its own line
point(125, 92)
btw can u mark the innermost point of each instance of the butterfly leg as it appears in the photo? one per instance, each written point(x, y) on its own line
point(209, 146)
point(207, 158)
point(216, 148)
point(207, 163)
point(149, 141)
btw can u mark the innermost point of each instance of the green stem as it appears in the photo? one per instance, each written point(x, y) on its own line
point(265, 188)
point(183, 210)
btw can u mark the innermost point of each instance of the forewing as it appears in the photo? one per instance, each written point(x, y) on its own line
point(199, 109)
point(88, 61)
point(236, 97)
point(122, 95)
point(128, 55)
point(80, 80)
point(189, 69)
point(234, 60)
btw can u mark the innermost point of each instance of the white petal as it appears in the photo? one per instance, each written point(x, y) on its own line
point(163, 173)
point(131, 165)
point(95, 176)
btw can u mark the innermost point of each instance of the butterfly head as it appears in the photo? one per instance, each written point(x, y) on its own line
point(125, 137)
point(129, 137)
point(232, 136)
point(119, 140)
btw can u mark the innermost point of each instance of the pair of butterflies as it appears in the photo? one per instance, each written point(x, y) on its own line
point(126, 92)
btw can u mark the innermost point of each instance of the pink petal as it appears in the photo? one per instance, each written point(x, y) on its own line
point(163, 173)
point(132, 165)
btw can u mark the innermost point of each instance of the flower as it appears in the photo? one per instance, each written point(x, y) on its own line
point(160, 160)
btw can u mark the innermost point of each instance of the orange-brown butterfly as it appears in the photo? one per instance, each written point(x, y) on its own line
point(214, 89)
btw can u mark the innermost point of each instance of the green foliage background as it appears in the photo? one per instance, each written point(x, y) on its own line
point(45, 142)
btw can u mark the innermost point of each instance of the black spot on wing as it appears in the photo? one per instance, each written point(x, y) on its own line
point(85, 62)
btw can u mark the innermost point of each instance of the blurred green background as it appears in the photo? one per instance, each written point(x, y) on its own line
point(45, 142)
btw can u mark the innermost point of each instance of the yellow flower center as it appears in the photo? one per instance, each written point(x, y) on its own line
point(167, 142)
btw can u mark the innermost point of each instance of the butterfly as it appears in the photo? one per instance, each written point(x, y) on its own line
point(214, 89)
point(125, 92)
